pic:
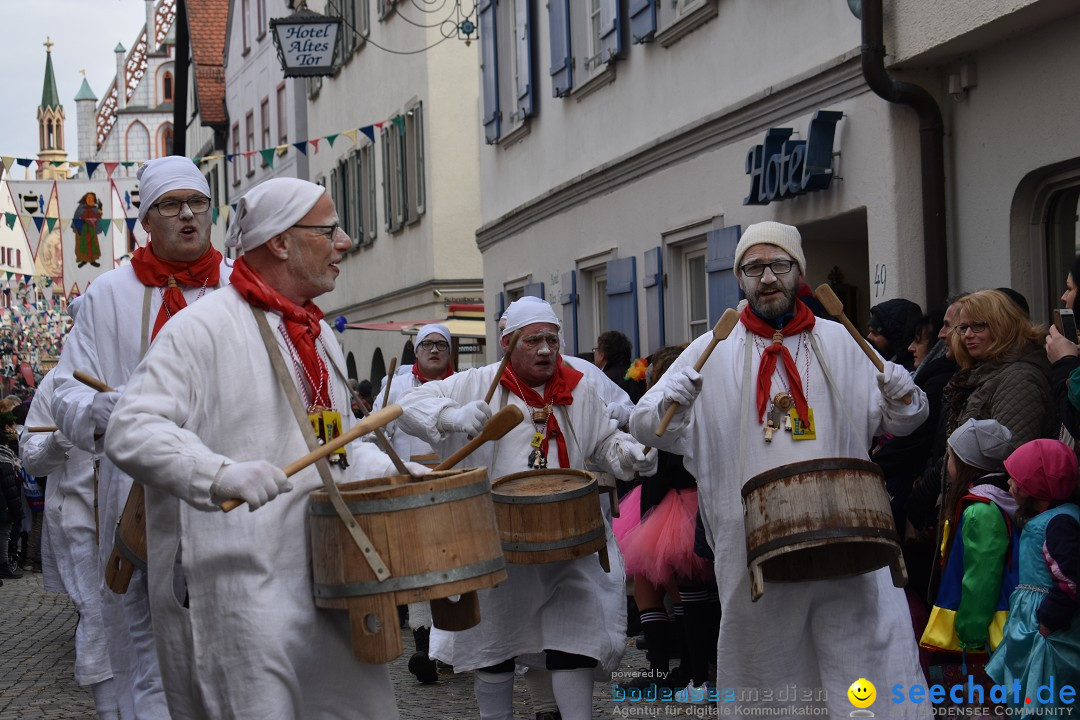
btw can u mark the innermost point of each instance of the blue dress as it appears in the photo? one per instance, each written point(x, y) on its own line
point(1024, 653)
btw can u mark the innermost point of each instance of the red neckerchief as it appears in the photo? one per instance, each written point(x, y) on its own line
point(301, 323)
point(803, 320)
point(558, 391)
point(422, 379)
point(152, 271)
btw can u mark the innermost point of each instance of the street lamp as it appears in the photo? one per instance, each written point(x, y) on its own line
point(306, 42)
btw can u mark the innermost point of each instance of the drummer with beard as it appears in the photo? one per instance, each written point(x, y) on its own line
point(769, 395)
point(570, 616)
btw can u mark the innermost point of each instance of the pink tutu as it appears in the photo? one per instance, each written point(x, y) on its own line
point(661, 546)
point(629, 514)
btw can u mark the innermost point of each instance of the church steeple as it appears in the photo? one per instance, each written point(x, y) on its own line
point(50, 116)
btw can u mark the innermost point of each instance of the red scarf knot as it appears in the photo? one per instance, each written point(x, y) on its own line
point(558, 391)
point(803, 320)
point(301, 323)
point(419, 376)
point(152, 271)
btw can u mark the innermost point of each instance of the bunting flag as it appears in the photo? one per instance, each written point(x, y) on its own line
point(268, 156)
point(399, 122)
point(351, 134)
point(315, 145)
point(331, 138)
point(110, 168)
point(8, 161)
point(10, 219)
point(90, 168)
point(25, 162)
point(301, 146)
point(214, 212)
point(369, 132)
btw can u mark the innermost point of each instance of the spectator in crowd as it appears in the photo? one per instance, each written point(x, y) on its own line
point(1041, 643)
point(11, 512)
point(1064, 357)
point(612, 354)
point(892, 328)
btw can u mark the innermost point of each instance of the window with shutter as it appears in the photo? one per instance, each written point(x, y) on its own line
point(642, 20)
point(489, 67)
point(653, 281)
point(568, 299)
point(562, 52)
point(724, 289)
point(622, 299)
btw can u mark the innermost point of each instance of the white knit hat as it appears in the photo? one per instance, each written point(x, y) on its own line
point(785, 237)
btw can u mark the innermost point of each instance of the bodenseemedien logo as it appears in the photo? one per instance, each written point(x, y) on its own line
point(862, 695)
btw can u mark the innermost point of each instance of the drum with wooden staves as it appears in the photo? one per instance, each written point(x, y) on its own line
point(437, 536)
point(819, 519)
point(549, 515)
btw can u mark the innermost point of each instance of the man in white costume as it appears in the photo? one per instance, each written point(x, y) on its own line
point(573, 612)
point(122, 312)
point(823, 634)
point(219, 404)
point(69, 540)
point(433, 344)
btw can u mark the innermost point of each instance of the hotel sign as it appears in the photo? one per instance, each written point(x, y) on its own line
point(782, 168)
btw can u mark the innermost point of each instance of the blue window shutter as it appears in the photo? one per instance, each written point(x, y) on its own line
point(654, 298)
point(568, 298)
point(489, 65)
point(523, 26)
point(562, 53)
point(642, 20)
point(611, 20)
point(622, 299)
point(500, 306)
point(535, 290)
point(724, 290)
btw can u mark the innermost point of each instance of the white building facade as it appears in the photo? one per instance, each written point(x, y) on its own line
point(628, 143)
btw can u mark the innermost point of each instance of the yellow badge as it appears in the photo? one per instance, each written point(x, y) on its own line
point(537, 440)
point(327, 425)
point(799, 429)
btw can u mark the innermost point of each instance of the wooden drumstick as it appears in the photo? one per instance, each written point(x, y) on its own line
point(722, 329)
point(42, 428)
point(380, 438)
point(389, 379)
point(497, 425)
point(372, 421)
point(502, 366)
point(825, 295)
point(90, 380)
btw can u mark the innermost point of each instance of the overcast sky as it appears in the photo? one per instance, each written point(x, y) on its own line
point(84, 33)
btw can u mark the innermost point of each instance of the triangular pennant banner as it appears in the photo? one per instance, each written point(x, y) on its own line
point(331, 138)
point(301, 146)
point(225, 212)
point(27, 221)
point(380, 124)
point(25, 162)
point(119, 223)
point(369, 131)
point(57, 163)
point(399, 121)
point(110, 167)
point(128, 163)
point(131, 223)
point(233, 206)
point(103, 226)
point(10, 219)
point(39, 221)
point(51, 222)
point(351, 134)
point(77, 224)
point(268, 156)
point(315, 144)
point(8, 161)
point(91, 167)
point(197, 160)
point(214, 212)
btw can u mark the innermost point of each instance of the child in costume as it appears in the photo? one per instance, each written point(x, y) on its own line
point(1041, 643)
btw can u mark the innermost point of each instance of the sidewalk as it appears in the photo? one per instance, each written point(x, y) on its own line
point(37, 658)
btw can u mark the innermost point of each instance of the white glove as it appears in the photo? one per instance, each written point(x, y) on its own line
point(634, 459)
point(895, 382)
point(682, 386)
point(416, 469)
point(256, 482)
point(468, 418)
point(101, 408)
point(619, 412)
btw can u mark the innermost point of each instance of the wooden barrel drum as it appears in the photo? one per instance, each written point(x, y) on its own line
point(549, 516)
point(819, 519)
point(437, 536)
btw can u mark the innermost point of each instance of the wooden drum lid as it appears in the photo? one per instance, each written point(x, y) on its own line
point(437, 535)
point(819, 519)
point(549, 516)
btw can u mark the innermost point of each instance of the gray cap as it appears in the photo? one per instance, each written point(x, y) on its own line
point(982, 444)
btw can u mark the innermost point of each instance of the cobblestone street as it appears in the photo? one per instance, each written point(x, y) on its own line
point(37, 658)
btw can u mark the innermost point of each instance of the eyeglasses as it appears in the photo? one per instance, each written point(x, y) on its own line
point(197, 204)
point(976, 328)
point(778, 267)
point(430, 345)
point(533, 341)
point(327, 231)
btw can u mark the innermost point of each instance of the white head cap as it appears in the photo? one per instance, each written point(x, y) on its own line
point(269, 209)
point(433, 329)
point(526, 311)
point(785, 237)
point(165, 174)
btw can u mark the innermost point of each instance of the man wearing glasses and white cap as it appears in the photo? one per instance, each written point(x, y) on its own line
point(226, 396)
point(123, 311)
point(432, 363)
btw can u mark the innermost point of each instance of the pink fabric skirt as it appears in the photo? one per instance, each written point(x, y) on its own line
point(629, 514)
point(660, 546)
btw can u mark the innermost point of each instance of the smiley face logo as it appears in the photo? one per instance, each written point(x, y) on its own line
point(862, 694)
